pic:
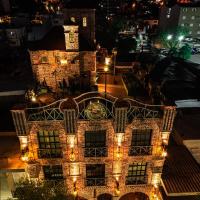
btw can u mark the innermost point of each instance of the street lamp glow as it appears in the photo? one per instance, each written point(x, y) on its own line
point(169, 37)
point(107, 60)
point(106, 69)
point(181, 37)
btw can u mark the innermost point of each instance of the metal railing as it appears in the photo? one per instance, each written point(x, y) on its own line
point(140, 150)
point(95, 151)
point(96, 181)
point(136, 180)
point(50, 153)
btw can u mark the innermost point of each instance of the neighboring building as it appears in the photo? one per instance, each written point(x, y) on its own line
point(181, 175)
point(102, 147)
point(187, 130)
point(61, 54)
point(85, 19)
point(186, 17)
point(181, 171)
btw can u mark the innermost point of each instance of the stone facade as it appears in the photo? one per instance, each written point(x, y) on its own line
point(116, 161)
point(54, 66)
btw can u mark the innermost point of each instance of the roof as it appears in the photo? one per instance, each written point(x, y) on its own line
point(10, 153)
point(179, 79)
point(187, 123)
point(55, 40)
point(181, 173)
point(188, 197)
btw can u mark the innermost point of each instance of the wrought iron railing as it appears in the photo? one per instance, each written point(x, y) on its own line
point(49, 112)
point(95, 151)
point(50, 153)
point(140, 150)
point(136, 180)
point(96, 181)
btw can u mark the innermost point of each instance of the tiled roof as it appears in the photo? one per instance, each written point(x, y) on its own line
point(188, 197)
point(181, 173)
point(187, 123)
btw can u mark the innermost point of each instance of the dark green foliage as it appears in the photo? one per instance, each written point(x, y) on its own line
point(185, 52)
point(36, 190)
point(126, 45)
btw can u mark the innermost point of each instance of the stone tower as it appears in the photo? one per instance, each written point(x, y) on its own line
point(71, 37)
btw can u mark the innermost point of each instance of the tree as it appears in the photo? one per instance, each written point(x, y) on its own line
point(40, 190)
point(173, 37)
point(127, 44)
point(185, 52)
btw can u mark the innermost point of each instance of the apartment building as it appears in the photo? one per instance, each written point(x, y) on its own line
point(187, 17)
point(98, 146)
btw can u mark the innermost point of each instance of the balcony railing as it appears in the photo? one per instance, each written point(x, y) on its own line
point(95, 151)
point(136, 180)
point(50, 153)
point(95, 181)
point(140, 150)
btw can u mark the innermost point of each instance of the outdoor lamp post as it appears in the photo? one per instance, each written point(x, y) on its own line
point(105, 72)
point(114, 52)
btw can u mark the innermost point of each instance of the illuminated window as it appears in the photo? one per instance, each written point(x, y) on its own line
point(84, 21)
point(198, 32)
point(193, 17)
point(71, 37)
point(182, 24)
point(184, 17)
point(136, 174)
point(73, 19)
point(49, 144)
point(191, 25)
point(53, 172)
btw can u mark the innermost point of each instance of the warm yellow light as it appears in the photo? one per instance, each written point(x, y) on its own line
point(155, 185)
point(118, 152)
point(107, 60)
point(33, 99)
point(24, 158)
point(63, 62)
point(119, 139)
point(75, 193)
point(74, 179)
point(106, 69)
point(72, 155)
point(117, 192)
point(164, 153)
point(71, 140)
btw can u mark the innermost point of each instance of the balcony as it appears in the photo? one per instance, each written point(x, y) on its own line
point(95, 152)
point(136, 180)
point(50, 153)
point(95, 181)
point(140, 150)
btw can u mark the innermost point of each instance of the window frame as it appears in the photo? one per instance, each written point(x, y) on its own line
point(92, 141)
point(139, 137)
point(95, 170)
point(53, 172)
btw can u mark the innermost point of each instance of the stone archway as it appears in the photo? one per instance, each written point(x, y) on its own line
point(104, 196)
point(134, 196)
